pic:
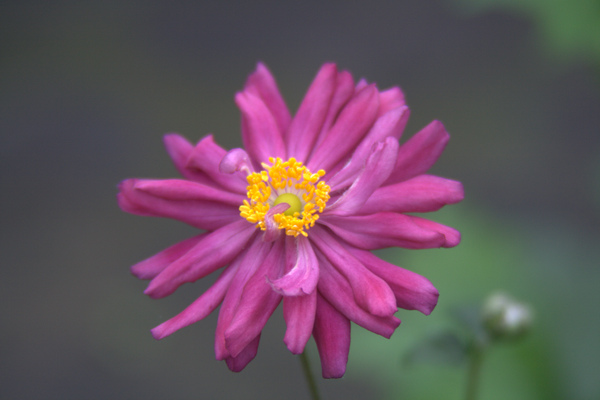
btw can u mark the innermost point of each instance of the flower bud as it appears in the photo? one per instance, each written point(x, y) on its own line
point(506, 318)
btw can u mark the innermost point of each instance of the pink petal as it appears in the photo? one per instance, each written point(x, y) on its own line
point(390, 99)
point(337, 291)
point(206, 157)
point(262, 84)
point(248, 262)
point(332, 336)
point(201, 206)
point(215, 250)
point(423, 193)
point(260, 133)
point(257, 302)
point(200, 308)
point(272, 231)
point(236, 160)
point(355, 119)
point(299, 315)
point(420, 152)
point(311, 114)
point(370, 292)
point(152, 266)
point(182, 190)
point(179, 150)
point(361, 84)
point(378, 167)
point(344, 89)
point(412, 291)
point(302, 273)
point(391, 124)
point(451, 235)
point(236, 364)
point(381, 230)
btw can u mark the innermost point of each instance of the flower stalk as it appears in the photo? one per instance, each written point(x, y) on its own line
point(309, 376)
point(502, 319)
point(474, 371)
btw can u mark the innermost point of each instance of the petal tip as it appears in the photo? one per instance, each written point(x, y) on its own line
point(453, 238)
point(158, 332)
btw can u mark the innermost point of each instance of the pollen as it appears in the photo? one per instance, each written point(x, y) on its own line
point(285, 182)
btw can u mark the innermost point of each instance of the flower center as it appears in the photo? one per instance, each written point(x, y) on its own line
point(291, 200)
point(287, 182)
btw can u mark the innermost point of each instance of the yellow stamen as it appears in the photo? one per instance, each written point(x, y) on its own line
point(286, 182)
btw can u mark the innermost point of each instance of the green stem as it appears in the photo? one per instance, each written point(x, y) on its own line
point(475, 362)
point(310, 380)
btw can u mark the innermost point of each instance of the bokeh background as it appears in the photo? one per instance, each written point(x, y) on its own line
point(87, 89)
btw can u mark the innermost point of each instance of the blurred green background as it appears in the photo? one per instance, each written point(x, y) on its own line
point(87, 89)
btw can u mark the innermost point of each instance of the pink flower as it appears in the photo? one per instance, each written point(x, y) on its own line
point(293, 217)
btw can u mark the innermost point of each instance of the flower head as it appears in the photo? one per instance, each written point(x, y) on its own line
point(292, 218)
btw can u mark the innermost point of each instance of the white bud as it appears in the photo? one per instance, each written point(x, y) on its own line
point(506, 318)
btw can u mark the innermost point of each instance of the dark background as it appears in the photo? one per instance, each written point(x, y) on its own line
point(87, 89)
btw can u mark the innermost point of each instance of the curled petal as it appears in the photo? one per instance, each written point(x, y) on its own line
point(236, 160)
point(215, 250)
point(200, 308)
point(260, 133)
point(272, 231)
point(248, 262)
point(412, 291)
point(154, 265)
point(451, 235)
point(206, 158)
point(370, 292)
point(257, 303)
point(389, 125)
point(344, 89)
point(390, 99)
point(311, 114)
point(302, 273)
point(375, 172)
point(355, 119)
point(299, 315)
point(423, 193)
point(338, 292)
point(180, 150)
point(361, 84)
point(420, 152)
point(332, 336)
point(202, 206)
point(381, 230)
point(236, 364)
point(262, 84)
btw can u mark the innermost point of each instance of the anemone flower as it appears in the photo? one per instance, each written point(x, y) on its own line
point(293, 217)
